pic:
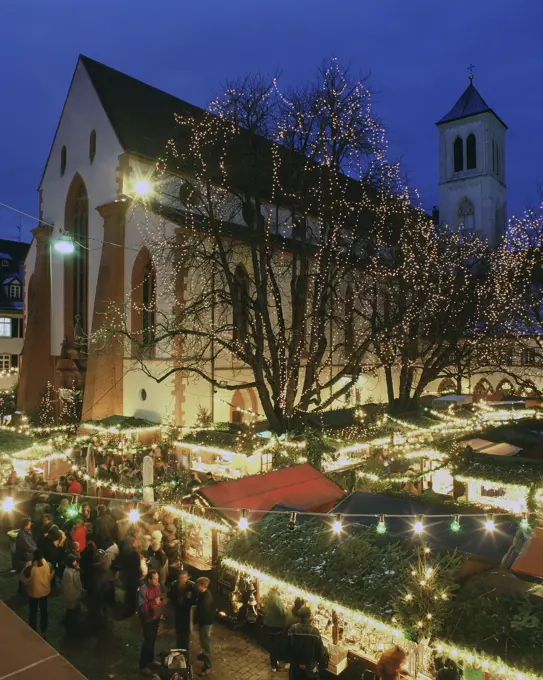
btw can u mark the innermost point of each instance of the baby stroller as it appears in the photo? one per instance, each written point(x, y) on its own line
point(176, 665)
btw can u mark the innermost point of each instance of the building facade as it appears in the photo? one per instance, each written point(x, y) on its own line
point(12, 259)
point(112, 130)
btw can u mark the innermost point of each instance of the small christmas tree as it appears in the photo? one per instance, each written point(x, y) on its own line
point(424, 605)
point(47, 415)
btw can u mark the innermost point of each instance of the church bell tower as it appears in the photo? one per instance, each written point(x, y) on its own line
point(472, 192)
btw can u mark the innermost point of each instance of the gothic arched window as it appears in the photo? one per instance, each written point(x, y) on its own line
point(240, 304)
point(466, 214)
point(76, 265)
point(63, 157)
point(498, 164)
point(92, 145)
point(458, 154)
point(143, 304)
point(471, 152)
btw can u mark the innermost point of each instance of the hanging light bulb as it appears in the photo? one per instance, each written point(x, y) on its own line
point(134, 515)
point(381, 525)
point(8, 504)
point(418, 527)
point(490, 524)
point(292, 521)
point(337, 526)
point(455, 524)
point(243, 523)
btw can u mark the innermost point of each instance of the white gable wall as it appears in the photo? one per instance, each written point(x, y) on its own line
point(82, 113)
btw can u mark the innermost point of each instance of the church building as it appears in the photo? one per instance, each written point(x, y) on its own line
point(112, 130)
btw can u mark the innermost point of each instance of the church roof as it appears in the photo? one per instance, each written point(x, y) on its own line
point(470, 104)
point(141, 115)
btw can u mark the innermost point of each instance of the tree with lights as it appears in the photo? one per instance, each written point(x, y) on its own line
point(424, 607)
point(48, 407)
point(274, 196)
point(515, 348)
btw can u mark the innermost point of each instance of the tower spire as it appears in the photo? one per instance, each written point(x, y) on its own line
point(470, 69)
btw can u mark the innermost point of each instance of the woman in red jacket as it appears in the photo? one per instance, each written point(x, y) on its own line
point(79, 534)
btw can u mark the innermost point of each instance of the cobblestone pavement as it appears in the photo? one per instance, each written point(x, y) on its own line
point(113, 652)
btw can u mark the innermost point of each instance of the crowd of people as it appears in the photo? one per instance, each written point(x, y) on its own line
point(89, 550)
point(94, 549)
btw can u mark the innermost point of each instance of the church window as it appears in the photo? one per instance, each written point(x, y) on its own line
point(240, 305)
point(458, 153)
point(76, 267)
point(144, 287)
point(498, 160)
point(466, 214)
point(63, 160)
point(471, 152)
point(92, 145)
point(493, 156)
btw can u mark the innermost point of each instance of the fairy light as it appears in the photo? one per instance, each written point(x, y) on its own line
point(197, 519)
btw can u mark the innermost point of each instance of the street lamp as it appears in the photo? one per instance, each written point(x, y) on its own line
point(64, 244)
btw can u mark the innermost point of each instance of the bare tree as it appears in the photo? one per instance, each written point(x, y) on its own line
point(274, 197)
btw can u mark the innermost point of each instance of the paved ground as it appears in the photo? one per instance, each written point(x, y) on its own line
point(113, 653)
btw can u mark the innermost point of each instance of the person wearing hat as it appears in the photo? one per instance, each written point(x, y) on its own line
point(305, 647)
point(72, 590)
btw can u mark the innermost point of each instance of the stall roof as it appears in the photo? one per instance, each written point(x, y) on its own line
point(505, 469)
point(501, 449)
point(301, 486)
point(27, 655)
point(455, 399)
point(477, 444)
point(530, 561)
point(472, 538)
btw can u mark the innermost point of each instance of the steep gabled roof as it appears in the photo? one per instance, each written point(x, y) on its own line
point(470, 104)
point(142, 116)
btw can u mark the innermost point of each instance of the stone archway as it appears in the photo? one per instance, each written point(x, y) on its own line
point(447, 386)
point(506, 388)
point(483, 389)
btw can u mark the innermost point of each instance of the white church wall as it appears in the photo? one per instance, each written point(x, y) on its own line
point(82, 113)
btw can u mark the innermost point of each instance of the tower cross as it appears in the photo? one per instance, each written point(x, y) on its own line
point(470, 69)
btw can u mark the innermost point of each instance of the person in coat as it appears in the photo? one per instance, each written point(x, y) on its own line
point(25, 545)
point(78, 533)
point(273, 619)
point(182, 594)
point(49, 539)
point(72, 590)
point(37, 577)
point(130, 563)
point(205, 617)
point(305, 647)
point(105, 527)
point(150, 607)
point(390, 663)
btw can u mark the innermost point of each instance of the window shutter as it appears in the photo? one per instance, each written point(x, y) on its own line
point(14, 328)
point(20, 328)
point(14, 361)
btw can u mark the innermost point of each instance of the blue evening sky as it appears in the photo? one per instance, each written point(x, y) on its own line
point(416, 53)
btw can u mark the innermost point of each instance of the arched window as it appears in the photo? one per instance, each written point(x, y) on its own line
point(458, 154)
point(92, 145)
point(76, 265)
point(471, 152)
point(447, 386)
point(349, 320)
point(466, 214)
point(498, 164)
point(482, 390)
point(493, 156)
point(506, 388)
point(143, 305)
point(62, 161)
point(240, 304)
